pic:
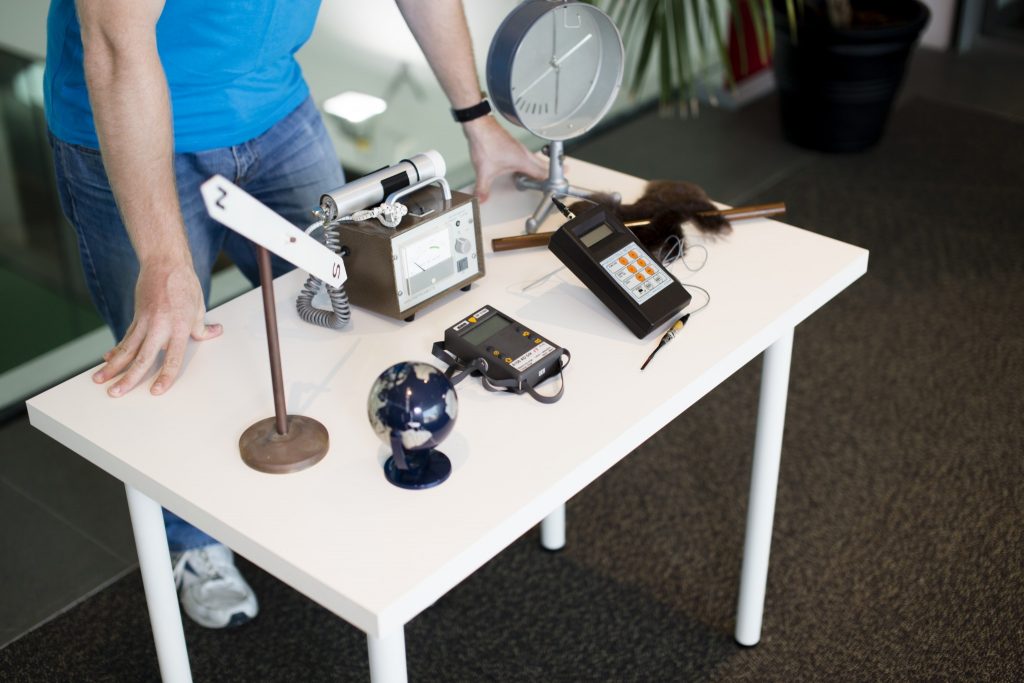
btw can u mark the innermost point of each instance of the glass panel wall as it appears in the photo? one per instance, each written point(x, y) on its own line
point(45, 300)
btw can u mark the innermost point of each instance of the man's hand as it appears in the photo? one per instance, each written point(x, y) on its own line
point(169, 309)
point(494, 152)
point(131, 108)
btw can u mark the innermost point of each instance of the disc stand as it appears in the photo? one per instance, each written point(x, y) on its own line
point(415, 469)
point(283, 443)
point(556, 185)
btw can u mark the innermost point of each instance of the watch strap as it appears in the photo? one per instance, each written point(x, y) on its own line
point(482, 108)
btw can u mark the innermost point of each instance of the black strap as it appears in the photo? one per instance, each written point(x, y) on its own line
point(483, 108)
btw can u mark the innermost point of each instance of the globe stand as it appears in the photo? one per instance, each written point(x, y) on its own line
point(556, 185)
point(283, 443)
point(421, 469)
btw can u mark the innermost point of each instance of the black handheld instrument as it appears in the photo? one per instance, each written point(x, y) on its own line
point(509, 356)
point(606, 256)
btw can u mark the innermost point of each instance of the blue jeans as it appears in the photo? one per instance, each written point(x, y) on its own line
point(287, 168)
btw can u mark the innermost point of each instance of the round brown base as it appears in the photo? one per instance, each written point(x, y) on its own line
point(265, 450)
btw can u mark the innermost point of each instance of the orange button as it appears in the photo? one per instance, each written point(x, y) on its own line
point(631, 269)
point(640, 277)
point(526, 333)
point(650, 271)
point(623, 260)
point(632, 254)
point(641, 263)
point(507, 359)
point(537, 340)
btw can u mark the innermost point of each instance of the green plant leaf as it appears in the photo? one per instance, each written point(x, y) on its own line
point(688, 36)
point(721, 40)
point(760, 32)
point(646, 47)
point(682, 53)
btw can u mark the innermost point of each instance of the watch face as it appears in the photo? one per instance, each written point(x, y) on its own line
point(566, 71)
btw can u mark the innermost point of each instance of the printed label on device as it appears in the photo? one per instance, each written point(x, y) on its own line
point(532, 356)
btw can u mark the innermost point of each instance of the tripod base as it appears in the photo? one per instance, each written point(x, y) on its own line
point(303, 445)
point(556, 185)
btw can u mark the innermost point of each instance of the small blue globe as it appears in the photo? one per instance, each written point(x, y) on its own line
point(412, 404)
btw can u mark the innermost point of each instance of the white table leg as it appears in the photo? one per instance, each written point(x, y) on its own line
point(764, 479)
point(387, 657)
point(158, 582)
point(552, 529)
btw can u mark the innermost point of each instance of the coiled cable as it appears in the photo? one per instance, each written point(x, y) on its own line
point(341, 311)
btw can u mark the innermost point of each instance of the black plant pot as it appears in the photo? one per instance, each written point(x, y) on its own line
point(836, 86)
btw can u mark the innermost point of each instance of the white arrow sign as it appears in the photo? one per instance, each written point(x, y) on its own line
point(249, 217)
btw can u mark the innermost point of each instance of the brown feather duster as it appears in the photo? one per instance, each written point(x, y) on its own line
point(666, 205)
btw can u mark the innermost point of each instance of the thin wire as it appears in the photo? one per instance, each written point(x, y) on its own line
point(706, 293)
point(674, 245)
point(542, 279)
point(703, 263)
point(693, 269)
point(677, 252)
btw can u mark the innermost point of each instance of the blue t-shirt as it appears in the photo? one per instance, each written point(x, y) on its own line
point(230, 68)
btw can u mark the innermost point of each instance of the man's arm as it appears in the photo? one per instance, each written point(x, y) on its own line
point(131, 108)
point(439, 27)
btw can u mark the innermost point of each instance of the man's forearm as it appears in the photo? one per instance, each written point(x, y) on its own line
point(131, 109)
point(439, 27)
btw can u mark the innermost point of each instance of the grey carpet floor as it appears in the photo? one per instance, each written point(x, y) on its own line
point(897, 550)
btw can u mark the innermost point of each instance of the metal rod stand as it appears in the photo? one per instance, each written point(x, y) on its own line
point(283, 443)
point(556, 185)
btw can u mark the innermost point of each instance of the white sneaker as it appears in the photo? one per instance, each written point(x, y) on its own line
point(211, 590)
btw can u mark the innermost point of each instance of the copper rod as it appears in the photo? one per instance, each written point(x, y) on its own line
point(540, 239)
point(772, 209)
point(736, 213)
point(273, 344)
point(752, 211)
point(537, 239)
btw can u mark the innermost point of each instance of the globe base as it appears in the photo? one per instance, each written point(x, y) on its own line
point(433, 468)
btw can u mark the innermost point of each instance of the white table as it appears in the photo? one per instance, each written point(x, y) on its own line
point(338, 532)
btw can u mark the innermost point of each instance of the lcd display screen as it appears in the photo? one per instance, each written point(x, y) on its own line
point(486, 330)
point(596, 235)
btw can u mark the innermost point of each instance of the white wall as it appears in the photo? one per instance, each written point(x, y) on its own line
point(939, 32)
point(23, 26)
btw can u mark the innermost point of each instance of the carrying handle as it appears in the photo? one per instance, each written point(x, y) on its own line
point(398, 194)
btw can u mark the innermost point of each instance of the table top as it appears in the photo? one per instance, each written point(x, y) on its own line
point(377, 555)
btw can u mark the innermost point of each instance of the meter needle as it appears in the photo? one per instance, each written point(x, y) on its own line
point(554, 65)
point(669, 336)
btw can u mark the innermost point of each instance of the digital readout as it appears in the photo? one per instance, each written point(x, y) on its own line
point(596, 235)
point(486, 330)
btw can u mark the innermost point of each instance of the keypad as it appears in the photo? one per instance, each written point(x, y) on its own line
point(637, 273)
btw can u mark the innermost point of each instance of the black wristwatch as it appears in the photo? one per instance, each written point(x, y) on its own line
point(483, 108)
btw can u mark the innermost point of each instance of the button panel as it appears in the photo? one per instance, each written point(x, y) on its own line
point(637, 273)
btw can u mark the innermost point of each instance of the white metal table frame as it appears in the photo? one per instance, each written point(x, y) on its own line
point(387, 653)
point(386, 646)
